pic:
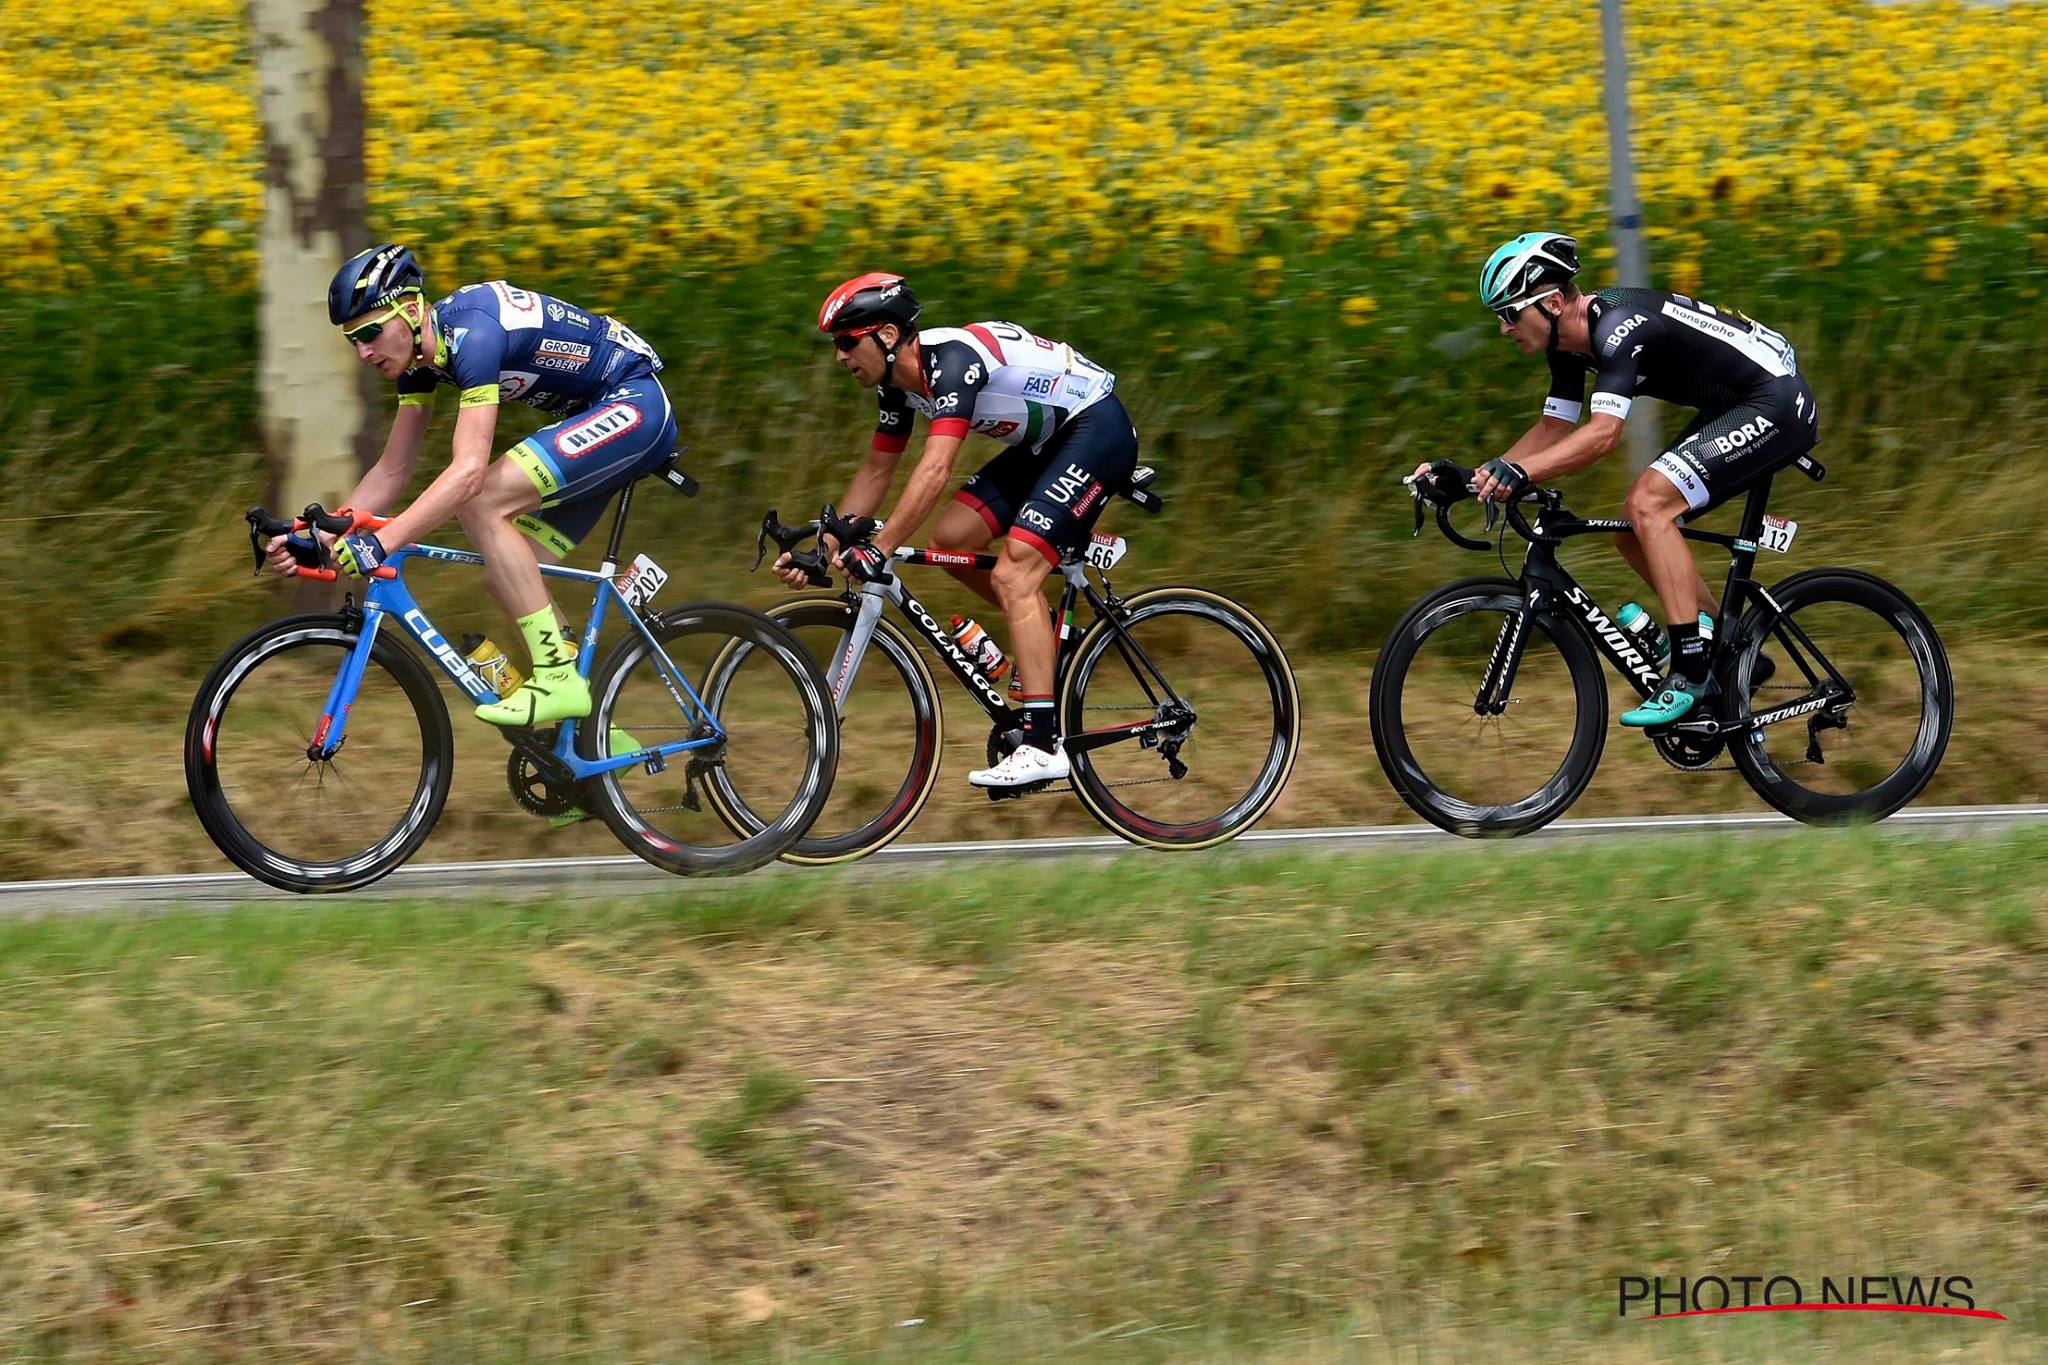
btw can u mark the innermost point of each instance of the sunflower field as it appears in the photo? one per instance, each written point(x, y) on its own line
point(1267, 219)
point(701, 138)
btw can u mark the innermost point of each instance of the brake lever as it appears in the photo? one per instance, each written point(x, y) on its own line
point(761, 541)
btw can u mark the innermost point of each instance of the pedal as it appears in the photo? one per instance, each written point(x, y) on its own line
point(1028, 789)
point(567, 818)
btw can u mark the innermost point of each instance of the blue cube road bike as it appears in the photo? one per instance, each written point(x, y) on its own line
point(319, 752)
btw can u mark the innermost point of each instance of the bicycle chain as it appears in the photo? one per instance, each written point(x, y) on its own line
point(1800, 762)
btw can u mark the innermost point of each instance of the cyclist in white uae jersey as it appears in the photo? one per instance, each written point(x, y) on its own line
point(1755, 415)
point(1069, 446)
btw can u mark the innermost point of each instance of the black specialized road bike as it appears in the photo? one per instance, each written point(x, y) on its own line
point(1489, 708)
point(1178, 707)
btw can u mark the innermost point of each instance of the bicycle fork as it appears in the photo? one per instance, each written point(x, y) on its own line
point(1499, 679)
point(854, 646)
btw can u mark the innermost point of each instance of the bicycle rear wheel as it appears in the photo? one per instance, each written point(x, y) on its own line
point(307, 825)
point(1860, 752)
point(1215, 675)
point(778, 755)
point(1500, 767)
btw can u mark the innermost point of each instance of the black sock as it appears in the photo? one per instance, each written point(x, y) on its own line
point(1041, 731)
point(1688, 652)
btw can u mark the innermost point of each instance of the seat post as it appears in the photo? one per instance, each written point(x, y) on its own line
point(1741, 560)
point(1753, 509)
point(611, 549)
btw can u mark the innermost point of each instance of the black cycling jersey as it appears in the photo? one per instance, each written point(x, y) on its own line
point(1666, 346)
point(1756, 414)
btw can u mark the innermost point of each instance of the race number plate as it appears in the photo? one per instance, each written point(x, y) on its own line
point(1777, 534)
point(641, 580)
point(1104, 551)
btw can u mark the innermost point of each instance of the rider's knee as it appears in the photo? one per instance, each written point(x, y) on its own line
point(1646, 505)
point(951, 540)
point(1019, 571)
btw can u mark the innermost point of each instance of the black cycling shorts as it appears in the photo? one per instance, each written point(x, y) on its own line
point(1724, 453)
point(1050, 499)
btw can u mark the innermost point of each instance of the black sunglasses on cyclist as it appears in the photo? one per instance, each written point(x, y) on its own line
point(844, 342)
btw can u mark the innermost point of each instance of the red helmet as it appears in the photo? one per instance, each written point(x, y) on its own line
point(867, 301)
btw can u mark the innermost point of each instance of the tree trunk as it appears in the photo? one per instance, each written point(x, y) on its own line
point(315, 398)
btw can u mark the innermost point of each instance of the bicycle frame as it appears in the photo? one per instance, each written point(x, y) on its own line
point(1548, 586)
point(874, 597)
point(389, 597)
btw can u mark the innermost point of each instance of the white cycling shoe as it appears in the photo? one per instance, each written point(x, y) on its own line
point(1024, 766)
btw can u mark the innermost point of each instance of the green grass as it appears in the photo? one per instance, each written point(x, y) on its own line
point(1208, 1107)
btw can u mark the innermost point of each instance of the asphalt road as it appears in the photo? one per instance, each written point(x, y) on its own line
point(624, 874)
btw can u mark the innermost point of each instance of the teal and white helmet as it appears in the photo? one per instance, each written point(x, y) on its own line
point(1521, 267)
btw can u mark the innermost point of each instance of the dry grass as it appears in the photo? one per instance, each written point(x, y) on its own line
point(1356, 1108)
point(92, 791)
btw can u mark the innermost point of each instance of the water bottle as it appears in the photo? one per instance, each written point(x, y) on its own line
point(978, 645)
point(1642, 627)
point(490, 661)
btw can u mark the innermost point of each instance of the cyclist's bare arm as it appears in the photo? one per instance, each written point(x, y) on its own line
point(453, 486)
point(1572, 449)
point(870, 483)
point(1545, 433)
point(927, 486)
point(863, 495)
point(380, 487)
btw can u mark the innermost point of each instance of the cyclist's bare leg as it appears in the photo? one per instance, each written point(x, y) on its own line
point(1019, 580)
point(511, 558)
point(1625, 541)
point(1654, 506)
point(960, 530)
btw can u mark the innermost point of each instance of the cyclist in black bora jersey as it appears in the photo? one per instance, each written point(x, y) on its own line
point(1755, 415)
point(1068, 445)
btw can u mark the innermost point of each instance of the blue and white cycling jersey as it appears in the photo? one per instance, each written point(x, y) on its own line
point(496, 343)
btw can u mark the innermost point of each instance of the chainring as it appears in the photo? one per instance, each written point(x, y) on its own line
point(1690, 753)
point(534, 793)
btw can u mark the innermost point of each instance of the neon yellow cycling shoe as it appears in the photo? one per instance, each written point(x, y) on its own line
point(554, 693)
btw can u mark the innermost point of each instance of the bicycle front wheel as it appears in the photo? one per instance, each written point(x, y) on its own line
point(1478, 764)
point(1867, 682)
point(891, 734)
point(1209, 714)
point(766, 735)
point(316, 825)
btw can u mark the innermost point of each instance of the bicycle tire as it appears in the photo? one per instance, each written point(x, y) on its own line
point(767, 839)
point(215, 807)
point(1395, 750)
point(1937, 690)
point(1277, 764)
point(928, 733)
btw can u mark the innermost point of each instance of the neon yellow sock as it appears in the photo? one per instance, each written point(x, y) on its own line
point(544, 642)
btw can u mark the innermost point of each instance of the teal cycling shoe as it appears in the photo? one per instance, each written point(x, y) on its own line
point(1673, 702)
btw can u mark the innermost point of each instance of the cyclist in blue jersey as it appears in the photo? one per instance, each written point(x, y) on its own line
point(1755, 415)
point(492, 342)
